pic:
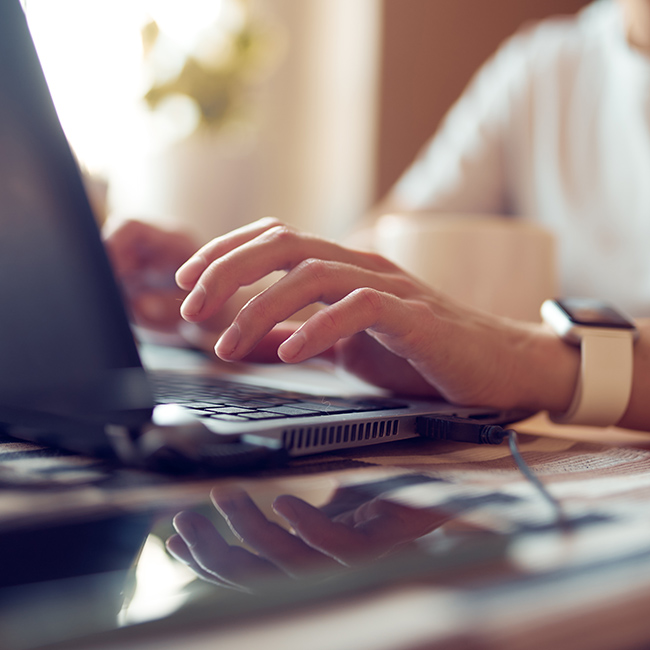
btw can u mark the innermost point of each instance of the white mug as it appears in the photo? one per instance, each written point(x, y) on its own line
point(503, 265)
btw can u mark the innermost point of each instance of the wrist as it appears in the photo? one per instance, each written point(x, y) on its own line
point(547, 371)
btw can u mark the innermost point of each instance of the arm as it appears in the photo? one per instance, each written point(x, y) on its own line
point(464, 167)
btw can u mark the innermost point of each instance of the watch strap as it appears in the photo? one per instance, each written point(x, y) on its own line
point(601, 397)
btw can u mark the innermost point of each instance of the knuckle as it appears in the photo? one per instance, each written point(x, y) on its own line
point(316, 269)
point(328, 321)
point(368, 299)
point(270, 221)
point(258, 310)
point(212, 271)
point(422, 326)
point(421, 310)
point(279, 234)
point(403, 285)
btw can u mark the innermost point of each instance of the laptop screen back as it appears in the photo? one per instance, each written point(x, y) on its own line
point(66, 347)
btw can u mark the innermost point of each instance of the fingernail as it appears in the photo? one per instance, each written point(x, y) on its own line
point(193, 304)
point(285, 509)
point(230, 501)
point(291, 348)
point(227, 344)
point(189, 273)
point(225, 505)
point(186, 530)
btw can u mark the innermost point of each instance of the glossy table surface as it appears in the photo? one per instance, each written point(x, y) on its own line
point(403, 545)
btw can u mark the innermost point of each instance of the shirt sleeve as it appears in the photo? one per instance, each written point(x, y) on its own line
point(463, 168)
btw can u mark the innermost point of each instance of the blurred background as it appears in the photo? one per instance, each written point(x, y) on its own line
point(212, 113)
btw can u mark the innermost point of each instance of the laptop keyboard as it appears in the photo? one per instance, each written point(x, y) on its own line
point(220, 399)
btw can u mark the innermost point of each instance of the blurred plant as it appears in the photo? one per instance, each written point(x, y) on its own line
point(218, 71)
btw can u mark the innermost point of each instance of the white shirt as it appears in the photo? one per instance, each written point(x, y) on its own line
point(555, 128)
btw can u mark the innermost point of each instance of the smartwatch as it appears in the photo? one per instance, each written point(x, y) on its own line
point(606, 339)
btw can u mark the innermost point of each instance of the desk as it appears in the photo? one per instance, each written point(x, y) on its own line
point(497, 573)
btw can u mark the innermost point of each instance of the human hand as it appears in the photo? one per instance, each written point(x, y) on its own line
point(379, 322)
point(320, 545)
point(145, 259)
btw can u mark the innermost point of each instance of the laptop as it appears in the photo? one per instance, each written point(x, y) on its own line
point(71, 372)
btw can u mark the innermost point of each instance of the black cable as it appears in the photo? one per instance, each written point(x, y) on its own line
point(476, 432)
point(528, 473)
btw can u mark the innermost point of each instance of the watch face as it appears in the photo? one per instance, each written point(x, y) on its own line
point(589, 311)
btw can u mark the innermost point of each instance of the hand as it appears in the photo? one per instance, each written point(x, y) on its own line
point(145, 259)
point(320, 545)
point(378, 321)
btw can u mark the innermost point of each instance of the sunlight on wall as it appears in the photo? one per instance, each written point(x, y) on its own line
point(92, 56)
point(88, 50)
point(310, 158)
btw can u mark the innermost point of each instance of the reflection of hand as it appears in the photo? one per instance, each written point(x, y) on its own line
point(321, 545)
point(382, 323)
point(145, 259)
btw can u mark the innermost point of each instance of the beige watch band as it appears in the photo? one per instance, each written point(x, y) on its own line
point(605, 382)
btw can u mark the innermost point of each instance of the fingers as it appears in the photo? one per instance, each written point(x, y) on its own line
point(224, 267)
point(349, 545)
point(135, 246)
point(365, 534)
point(438, 338)
point(269, 540)
point(208, 554)
point(179, 549)
point(389, 524)
point(266, 350)
point(363, 356)
point(441, 344)
point(318, 271)
point(188, 274)
point(319, 531)
point(156, 310)
point(320, 545)
point(312, 281)
point(402, 330)
point(145, 259)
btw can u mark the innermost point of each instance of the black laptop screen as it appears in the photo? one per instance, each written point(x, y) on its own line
point(65, 343)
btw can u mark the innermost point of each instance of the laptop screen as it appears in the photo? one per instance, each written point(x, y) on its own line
point(66, 347)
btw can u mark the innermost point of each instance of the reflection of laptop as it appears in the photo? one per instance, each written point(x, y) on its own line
point(70, 370)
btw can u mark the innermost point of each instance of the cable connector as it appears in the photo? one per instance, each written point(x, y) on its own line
point(459, 430)
point(467, 430)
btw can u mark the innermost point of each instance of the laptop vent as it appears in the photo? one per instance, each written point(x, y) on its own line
point(351, 434)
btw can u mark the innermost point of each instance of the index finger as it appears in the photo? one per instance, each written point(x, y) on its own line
point(188, 274)
point(278, 248)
